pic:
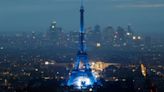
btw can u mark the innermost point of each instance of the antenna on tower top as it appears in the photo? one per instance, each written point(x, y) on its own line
point(81, 3)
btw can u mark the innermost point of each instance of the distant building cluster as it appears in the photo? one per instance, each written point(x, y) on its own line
point(119, 55)
point(107, 37)
point(105, 42)
point(95, 37)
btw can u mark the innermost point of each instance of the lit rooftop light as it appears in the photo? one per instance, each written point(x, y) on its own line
point(46, 63)
point(1, 47)
point(36, 69)
point(90, 89)
point(139, 37)
point(98, 45)
point(127, 33)
point(52, 27)
point(134, 37)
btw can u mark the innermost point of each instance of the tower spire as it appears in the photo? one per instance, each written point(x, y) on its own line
point(81, 42)
point(81, 3)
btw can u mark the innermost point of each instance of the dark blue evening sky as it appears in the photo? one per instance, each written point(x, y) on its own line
point(145, 16)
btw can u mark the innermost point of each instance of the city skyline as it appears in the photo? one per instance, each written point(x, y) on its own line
point(19, 15)
point(95, 46)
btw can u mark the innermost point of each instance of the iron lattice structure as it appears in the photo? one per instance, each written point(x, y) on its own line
point(81, 78)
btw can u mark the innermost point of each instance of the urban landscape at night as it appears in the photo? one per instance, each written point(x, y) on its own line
point(90, 58)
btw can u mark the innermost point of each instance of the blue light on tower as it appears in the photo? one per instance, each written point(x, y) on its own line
point(81, 78)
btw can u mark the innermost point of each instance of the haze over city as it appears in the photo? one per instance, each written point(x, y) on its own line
point(81, 46)
point(145, 16)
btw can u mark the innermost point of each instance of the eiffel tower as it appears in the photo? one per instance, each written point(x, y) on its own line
point(81, 76)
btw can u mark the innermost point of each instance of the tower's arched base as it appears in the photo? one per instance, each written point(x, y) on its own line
point(81, 79)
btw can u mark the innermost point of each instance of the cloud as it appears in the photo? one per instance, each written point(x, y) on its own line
point(141, 6)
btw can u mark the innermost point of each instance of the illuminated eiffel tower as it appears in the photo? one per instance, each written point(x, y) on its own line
point(81, 76)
